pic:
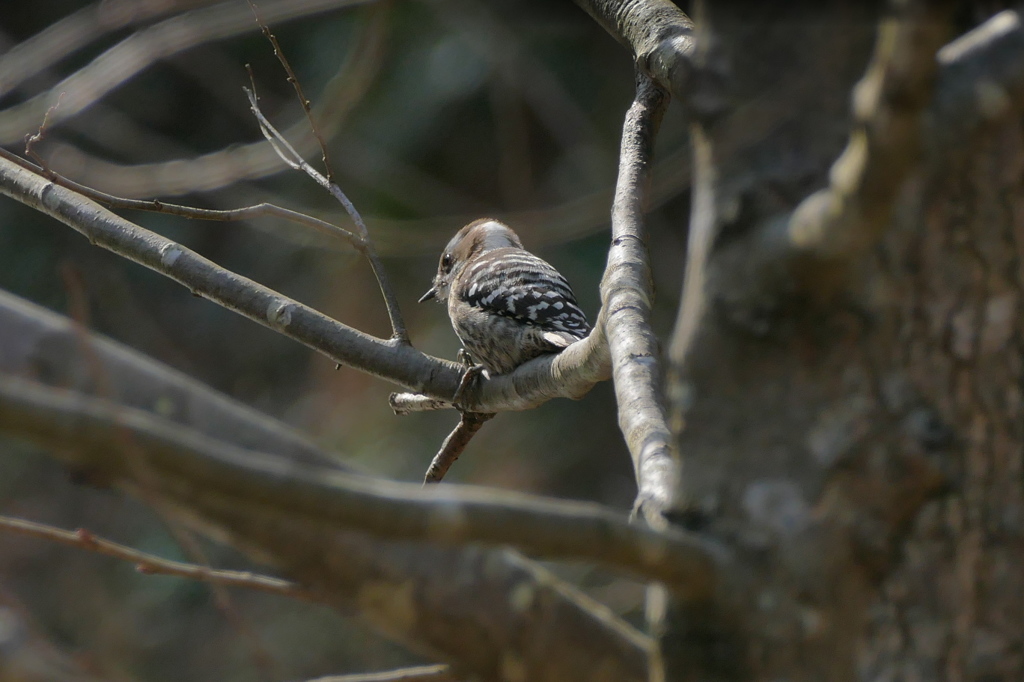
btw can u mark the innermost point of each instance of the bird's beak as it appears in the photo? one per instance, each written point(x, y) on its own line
point(429, 295)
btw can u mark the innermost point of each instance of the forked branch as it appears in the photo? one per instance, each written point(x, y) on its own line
point(293, 159)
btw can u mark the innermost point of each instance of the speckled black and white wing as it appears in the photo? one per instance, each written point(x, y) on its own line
point(516, 284)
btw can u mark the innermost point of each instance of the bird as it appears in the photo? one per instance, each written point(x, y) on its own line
point(507, 306)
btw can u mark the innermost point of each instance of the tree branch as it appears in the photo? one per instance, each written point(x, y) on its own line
point(422, 673)
point(151, 564)
point(405, 590)
point(627, 294)
point(87, 429)
point(292, 157)
point(455, 444)
point(657, 32)
point(885, 145)
point(569, 374)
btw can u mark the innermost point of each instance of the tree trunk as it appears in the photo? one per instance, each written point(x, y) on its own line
point(856, 433)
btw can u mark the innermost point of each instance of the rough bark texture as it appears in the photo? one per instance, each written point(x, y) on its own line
point(861, 451)
point(952, 608)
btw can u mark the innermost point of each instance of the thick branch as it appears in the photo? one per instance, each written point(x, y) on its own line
point(347, 569)
point(657, 32)
point(89, 429)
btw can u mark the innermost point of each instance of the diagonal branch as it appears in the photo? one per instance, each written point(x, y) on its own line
point(151, 564)
point(88, 429)
point(422, 673)
point(569, 374)
point(402, 589)
point(455, 444)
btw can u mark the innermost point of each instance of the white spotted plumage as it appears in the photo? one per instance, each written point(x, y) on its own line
point(506, 305)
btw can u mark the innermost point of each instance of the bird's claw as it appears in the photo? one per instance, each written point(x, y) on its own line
point(472, 373)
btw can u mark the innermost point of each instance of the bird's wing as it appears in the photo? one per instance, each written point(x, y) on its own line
point(515, 283)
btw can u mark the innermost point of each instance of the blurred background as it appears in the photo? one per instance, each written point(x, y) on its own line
point(435, 114)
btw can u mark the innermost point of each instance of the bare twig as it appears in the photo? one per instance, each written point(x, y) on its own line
point(156, 206)
point(151, 564)
point(291, 157)
point(454, 444)
point(422, 673)
point(35, 138)
point(297, 84)
point(238, 162)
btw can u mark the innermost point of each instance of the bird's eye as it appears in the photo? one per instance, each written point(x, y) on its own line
point(446, 262)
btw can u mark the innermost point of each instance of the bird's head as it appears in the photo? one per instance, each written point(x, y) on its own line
point(479, 237)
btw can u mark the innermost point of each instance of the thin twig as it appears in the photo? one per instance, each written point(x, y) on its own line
point(291, 157)
point(421, 673)
point(294, 80)
point(454, 444)
point(32, 140)
point(151, 564)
